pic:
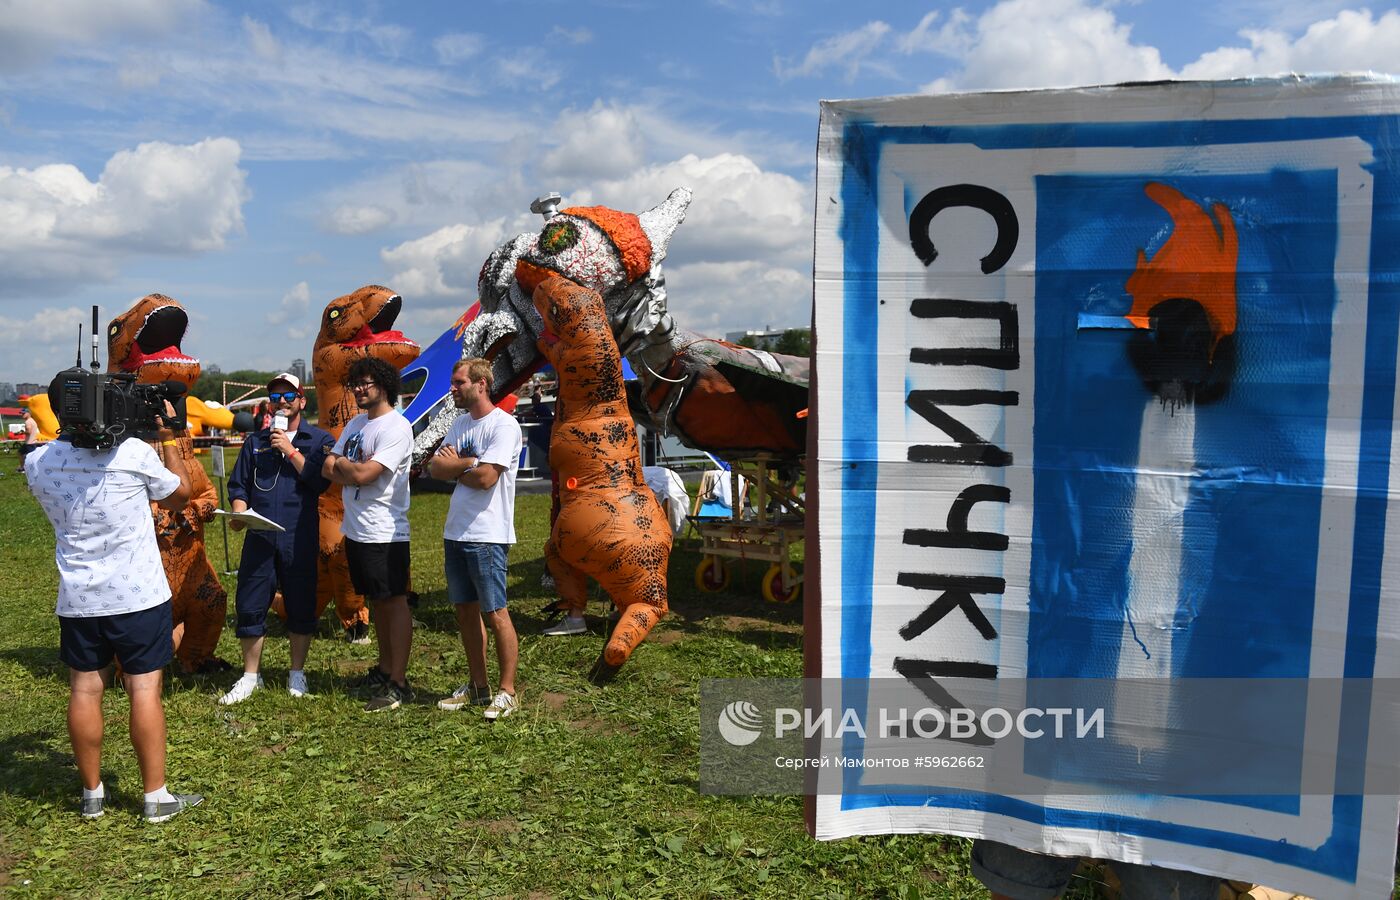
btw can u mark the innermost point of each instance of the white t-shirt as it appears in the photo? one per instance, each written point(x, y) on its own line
point(485, 517)
point(99, 502)
point(377, 513)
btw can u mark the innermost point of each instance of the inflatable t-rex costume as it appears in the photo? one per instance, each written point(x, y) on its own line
point(713, 395)
point(609, 525)
point(146, 340)
point(356, 325)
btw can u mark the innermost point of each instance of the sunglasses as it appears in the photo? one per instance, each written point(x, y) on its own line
point(361, 386)
point(279, 396)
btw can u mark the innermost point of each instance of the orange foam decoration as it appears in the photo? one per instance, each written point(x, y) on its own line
point(1198, 262)
point(530, 275)
point(625, 231)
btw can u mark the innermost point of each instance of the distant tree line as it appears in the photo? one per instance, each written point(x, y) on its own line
point(793, 342)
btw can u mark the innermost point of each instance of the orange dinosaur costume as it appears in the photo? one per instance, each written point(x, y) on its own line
point(356, 325)
point(146, 340)
point(609, 526)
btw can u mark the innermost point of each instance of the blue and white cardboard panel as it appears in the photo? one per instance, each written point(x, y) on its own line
point(1256, 519)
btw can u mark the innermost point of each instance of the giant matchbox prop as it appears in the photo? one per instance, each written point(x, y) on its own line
point(1106, 390)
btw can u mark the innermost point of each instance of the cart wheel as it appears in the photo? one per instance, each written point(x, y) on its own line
point(773, 587)
point(711, 575)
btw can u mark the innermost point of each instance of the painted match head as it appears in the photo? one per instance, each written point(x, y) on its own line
point(1185, 310)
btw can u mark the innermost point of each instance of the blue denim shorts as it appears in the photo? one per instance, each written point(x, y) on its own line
point(476, 573)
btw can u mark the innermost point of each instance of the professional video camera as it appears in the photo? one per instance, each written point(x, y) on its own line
point(96, 410)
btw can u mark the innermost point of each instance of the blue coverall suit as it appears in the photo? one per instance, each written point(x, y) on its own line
point(270, 485)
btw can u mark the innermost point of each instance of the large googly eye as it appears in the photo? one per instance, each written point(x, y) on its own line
point(114, 330)
point(558, 237)
point(333, 314)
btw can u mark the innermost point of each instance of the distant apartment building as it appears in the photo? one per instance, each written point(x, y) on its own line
point(298, 368)
point(7, 392)
point(25, 388)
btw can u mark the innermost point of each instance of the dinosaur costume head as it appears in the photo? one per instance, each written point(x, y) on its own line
point(146, 340)
point(356, 325)
point(615, 253)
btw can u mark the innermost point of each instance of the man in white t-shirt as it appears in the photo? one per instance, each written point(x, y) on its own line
point(372, 460)
point(481, 453)
point(113, 597)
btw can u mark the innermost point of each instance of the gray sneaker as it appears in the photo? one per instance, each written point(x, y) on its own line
point(391, 696)
point(159, 811)
point(92, 807)
point(371, 682)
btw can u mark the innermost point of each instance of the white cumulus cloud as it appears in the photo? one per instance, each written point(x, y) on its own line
point(43, 343)
point(444, 263)
point(58, 229)
point(848, 51)
point(293, 307)
point(1037, 43)
point(604, 141)
point(715, 298)
point(1055, 43)
point(351, 219)
point(739, 211)
point(31, 30)
point(1351, 41)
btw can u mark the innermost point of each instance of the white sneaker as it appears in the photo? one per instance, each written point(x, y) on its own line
point(503, 705)
point(242, 689)
point(565, 626)
point(296, 684)
point(466, 695)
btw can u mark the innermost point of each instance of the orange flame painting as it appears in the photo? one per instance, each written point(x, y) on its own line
point(1198, 262)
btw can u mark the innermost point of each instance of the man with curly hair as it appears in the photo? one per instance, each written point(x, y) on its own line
point(372, 460)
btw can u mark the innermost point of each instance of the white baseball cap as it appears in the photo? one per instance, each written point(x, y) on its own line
point(288, 377)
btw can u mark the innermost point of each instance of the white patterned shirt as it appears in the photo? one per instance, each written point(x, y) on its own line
point(99, 503)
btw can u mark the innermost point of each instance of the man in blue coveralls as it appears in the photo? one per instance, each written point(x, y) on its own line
point(278, 475)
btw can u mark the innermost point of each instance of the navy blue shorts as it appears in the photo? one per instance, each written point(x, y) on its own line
point(139, 640)
point(378, 571)
point(476, 573)
point(264, 568)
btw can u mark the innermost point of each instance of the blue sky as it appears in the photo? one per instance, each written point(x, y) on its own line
point(256, 160)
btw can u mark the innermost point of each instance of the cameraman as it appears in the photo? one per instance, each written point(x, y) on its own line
point(113, 597)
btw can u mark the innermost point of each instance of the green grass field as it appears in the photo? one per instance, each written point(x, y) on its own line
point(586, 792)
